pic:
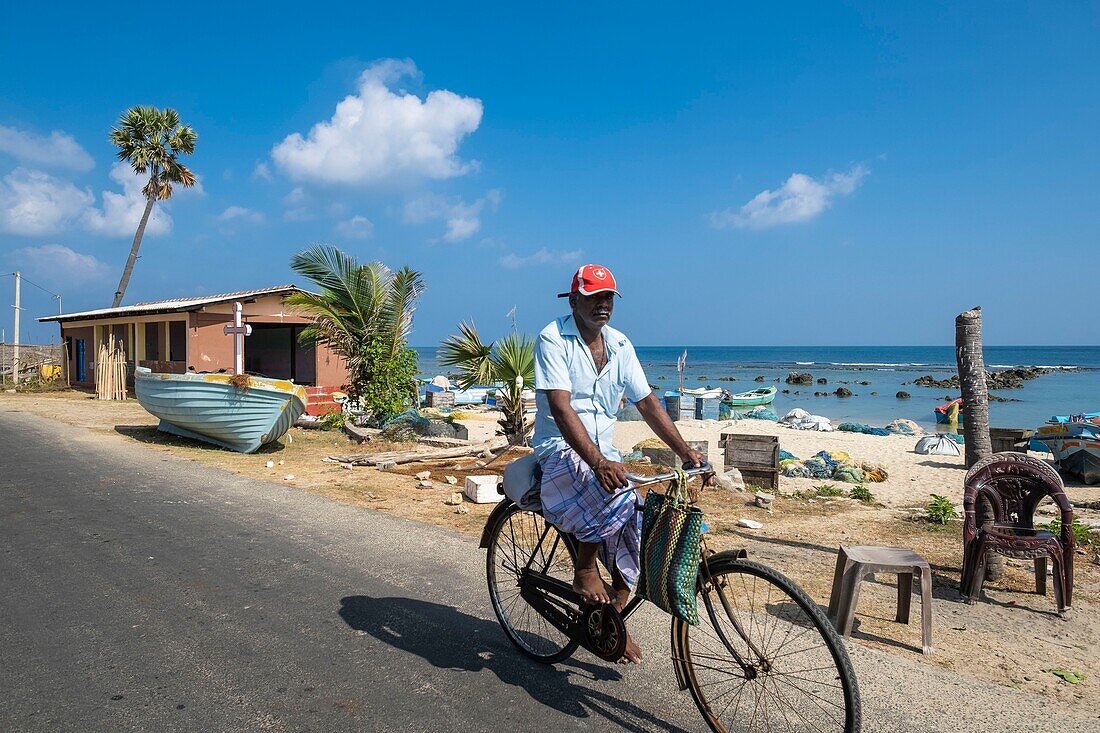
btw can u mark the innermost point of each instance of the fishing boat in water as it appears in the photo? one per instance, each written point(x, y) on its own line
point(240, 413)
point(1075, 442)
point(753, 398)
point(950, 413)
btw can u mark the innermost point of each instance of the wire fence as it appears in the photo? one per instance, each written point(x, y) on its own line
point(35, 361)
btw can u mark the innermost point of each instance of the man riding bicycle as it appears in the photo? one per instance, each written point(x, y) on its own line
point(583, 368)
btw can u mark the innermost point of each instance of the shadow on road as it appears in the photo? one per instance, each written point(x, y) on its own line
point(449, 639)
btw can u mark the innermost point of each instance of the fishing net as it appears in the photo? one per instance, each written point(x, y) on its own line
point(849, 474)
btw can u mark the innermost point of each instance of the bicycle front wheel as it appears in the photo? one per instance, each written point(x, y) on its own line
point(764, 657)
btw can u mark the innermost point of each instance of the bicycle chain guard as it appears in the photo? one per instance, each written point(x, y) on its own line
point(604, 633)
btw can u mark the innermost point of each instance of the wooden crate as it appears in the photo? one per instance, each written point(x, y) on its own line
point(1010, 440)
point(439, 399)
point(755, 456)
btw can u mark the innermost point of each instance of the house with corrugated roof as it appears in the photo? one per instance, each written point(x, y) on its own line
point(187, 335)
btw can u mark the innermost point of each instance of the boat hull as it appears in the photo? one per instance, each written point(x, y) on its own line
point(1076, 448)
point(752, 399)
point(209, 408)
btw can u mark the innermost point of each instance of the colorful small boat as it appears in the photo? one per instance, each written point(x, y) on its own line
point(211, 408)
point(1075, 443)
point(763, 396)
point(478, 394)
point(950, 413)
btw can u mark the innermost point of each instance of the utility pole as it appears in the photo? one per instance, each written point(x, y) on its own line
point(15, 350)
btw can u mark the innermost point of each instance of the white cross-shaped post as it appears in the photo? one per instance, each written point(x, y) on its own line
point(238, 332)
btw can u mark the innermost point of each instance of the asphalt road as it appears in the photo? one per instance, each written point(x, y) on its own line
point(144, 592)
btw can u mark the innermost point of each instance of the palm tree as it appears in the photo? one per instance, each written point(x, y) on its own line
point(151, 140)
point(364, 313)
point(975, 397)
point(510, 360)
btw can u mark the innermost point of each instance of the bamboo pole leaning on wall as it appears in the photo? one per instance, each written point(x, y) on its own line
point(110, 371)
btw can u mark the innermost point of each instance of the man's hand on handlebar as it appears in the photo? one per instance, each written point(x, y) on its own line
point(697, 459)
point(611, 475)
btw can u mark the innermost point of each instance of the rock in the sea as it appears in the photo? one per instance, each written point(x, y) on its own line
point(903, 395)
point(759, 379)
point(800, 378)
point(822, 380)
point(843, 392)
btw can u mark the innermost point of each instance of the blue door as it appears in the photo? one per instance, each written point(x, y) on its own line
point(81, 372)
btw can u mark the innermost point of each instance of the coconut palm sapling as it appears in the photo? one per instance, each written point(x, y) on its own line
point(364, 314)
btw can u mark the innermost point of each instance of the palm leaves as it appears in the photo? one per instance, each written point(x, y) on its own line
point(151, 141)
point(363, 313)
point(510, 360)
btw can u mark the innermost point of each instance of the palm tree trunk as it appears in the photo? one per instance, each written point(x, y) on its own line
point(132, 259)
point(975, 397)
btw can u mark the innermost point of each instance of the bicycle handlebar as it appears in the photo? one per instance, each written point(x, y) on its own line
point(639, 480)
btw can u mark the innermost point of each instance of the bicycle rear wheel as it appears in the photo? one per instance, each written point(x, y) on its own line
point(764, 657)
point(524, 540)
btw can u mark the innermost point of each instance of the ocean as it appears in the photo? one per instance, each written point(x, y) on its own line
point(1074, 386)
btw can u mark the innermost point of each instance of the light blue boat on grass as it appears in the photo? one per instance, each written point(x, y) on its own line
point(211, 408)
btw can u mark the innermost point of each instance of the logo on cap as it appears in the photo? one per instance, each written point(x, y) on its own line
point(592, 279)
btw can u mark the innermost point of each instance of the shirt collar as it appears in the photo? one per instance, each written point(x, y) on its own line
point(569, 328)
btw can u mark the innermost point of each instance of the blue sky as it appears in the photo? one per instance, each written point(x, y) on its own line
point(818, 173)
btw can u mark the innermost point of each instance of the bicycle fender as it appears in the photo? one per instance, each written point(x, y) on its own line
point(498, 511)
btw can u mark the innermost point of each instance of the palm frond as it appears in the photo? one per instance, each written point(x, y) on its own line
point(467, 352)
point(405, 288)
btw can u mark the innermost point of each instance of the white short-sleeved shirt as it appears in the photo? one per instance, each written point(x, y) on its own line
point(563, 361)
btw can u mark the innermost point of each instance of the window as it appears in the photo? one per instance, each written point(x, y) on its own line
point(177, 341)
point(152, 339)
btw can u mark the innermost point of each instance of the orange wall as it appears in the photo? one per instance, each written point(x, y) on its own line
point(331, 370)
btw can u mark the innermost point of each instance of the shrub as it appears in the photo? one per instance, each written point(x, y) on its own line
point(1080, 530)
point(828, 490)
point(862, 493)
point(940, 510)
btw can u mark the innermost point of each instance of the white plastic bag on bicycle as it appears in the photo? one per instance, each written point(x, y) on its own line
point(521, 482)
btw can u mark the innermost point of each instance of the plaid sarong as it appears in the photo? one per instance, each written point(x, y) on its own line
point(575, 503)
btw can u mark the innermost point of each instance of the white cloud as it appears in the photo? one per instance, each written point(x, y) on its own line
point(297, 206)
point(241, 214)
point(32, 203)
point(381, 135)
point(463, 219)
point(122, 211)
point(56, 150)
point(357, 227)
point(262, 173)
point(800, 198)
point(55, 265)
point(544, 256)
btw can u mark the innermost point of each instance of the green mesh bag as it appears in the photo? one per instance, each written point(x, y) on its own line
point(671, 529)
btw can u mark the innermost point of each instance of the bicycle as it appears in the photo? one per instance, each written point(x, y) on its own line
point(753, 663)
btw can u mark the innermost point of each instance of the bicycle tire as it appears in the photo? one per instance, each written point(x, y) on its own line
point(715, 570)
point(534, 636)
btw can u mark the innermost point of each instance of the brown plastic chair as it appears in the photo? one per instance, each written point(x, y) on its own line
point(853, 564)
point(1014, 484)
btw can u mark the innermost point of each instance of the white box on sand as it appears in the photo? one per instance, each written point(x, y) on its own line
point(483, 489)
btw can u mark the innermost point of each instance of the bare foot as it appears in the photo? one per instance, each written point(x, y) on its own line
point(590, 585)
point(633, 653)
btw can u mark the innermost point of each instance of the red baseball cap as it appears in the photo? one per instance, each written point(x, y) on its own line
point(592, 279)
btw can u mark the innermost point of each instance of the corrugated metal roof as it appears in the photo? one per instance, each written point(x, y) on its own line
point(173, 305)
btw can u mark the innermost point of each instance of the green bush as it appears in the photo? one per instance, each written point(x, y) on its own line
point(862, 493)
point(828, 490)
point(940, 510)
point(1080, 531)
point(333, 420)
